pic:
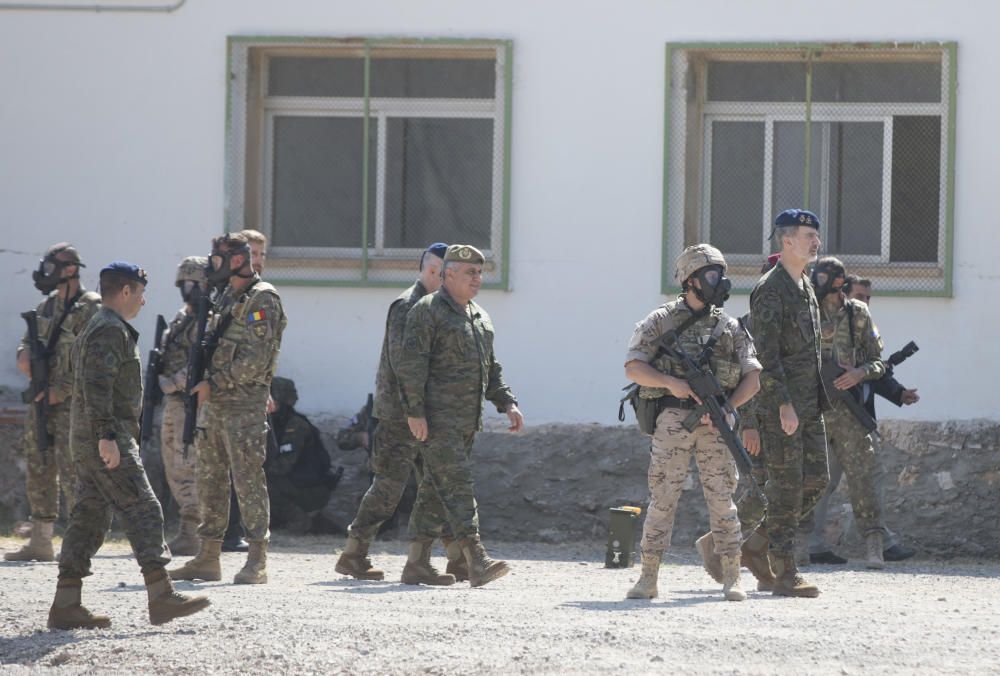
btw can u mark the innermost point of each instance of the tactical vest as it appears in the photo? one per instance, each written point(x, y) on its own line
point(843, 345)
point(237, 333)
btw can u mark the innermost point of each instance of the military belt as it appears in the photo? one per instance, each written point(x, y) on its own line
point(668, 401)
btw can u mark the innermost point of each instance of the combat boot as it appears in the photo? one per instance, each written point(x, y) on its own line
point(39, 547)
point(645, 588)
point(354, 561)
point(255, 569)
point(186, 543)
point(457, 564)
point(731, 579)
point(482, 569)
point(418, 568)
point(66, 611)
point(710, 561)
point(165, 603)
point(205, 566)
point(754, 556)
point(874, 545)
point(787, 581)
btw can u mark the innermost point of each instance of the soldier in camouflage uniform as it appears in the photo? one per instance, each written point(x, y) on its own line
point(446, 369)
point(61, 317)
point(697, 319)
point(104, 428)
point(245, 337)
point(180, 464)
point(394, 457)
point(786, 325)
point(851, 340)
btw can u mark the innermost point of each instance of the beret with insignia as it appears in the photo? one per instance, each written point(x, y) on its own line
point(130, 271)
point(797, 217)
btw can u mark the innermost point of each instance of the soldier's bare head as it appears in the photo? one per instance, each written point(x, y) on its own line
point(123, 288)
point(858, 288)
point(258, 249)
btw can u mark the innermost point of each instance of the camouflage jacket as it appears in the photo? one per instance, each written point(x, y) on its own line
point(176, 348)
point(49, 312)
point(107, 384)
point(448, 365)
point(748, 411)
point(388, 399)
point(247, 353)
point(852, 345)
point(786, 331)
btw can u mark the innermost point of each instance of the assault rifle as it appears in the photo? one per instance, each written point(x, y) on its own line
point(852, 398)
point(39, 385)
point(196, 365)
point(898, 357)
point(152, 395)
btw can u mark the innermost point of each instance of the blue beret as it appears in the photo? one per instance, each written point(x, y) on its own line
point(127, 270)
point(439, 249)
point(796, 217)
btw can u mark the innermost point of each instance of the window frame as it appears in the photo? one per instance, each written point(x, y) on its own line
point(250, 112)
point(675, 163)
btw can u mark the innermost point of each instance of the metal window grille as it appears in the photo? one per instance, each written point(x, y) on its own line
point(353, 155)
point(861, 135)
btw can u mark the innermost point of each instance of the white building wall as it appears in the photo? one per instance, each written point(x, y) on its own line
point(112, 136)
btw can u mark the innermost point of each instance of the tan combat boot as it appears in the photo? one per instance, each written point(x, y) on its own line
point(354, 561)
point(39, 547)
point(710, 561)
point(254, 571)
point(186, 543)
point(874, 543)
point(482, 569)
point(66, 611)
point(418, 568)
point(165, 603)
point(731, 589)
point(753, 553)
point(205, 566)
point(457, 564)
point(645, 588)
point(787, 581)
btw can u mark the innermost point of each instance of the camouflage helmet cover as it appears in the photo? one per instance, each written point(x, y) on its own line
point(283, 390)
point(192, 269)
point(695, 258)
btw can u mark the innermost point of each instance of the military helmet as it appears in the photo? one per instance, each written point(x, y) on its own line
point(696, 257)
point(192, 269)
point(283, 390)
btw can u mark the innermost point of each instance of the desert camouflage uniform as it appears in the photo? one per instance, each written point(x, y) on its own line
point(232, 424)
point(107, 397)
point(786, 333)
point(46, 478)
point(447, 368)
point(857, 345)
point(395, 453)
point(181, 471)
point(672, 444)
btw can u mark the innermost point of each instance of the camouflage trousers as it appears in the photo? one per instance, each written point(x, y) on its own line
point(751, 507)
point(231, 441)
point(182, 473)
point(447, 460)
point(395, 453)
point(45, 478)
point(124, 489)
point(669, 461)
point(855, 452)
point(797, 472)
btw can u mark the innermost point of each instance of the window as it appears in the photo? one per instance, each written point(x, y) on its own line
point(354, 155)
point(861, 135)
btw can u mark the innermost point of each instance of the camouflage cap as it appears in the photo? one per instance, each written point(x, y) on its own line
point(696, 257)
point(283, 390)
point(464, 253)
point(68, 251)
point(192, 269)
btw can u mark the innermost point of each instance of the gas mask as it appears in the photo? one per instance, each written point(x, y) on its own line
point(218, 271)
point(825, 278)
point(48, 276)
point(191, 291)
point(715, 286)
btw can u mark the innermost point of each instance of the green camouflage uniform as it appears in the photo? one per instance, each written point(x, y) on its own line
point(181, 471)
point(395, 453)
point(786, 325)
point(849, 346)
point(751, 508)
point(447, 368)
point(46, 478)
point(232, 424)
point(672, 445)
point(107, 397)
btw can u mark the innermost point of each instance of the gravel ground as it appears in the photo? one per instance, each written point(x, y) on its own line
point(559, 610)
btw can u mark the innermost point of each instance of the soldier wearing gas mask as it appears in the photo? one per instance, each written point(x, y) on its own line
point(242, 343)
point(61, 317)
point(698, 321)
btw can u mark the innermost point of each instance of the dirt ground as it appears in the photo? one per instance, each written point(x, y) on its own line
point(558, 611)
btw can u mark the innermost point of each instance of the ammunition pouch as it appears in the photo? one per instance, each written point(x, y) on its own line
point(646, 410)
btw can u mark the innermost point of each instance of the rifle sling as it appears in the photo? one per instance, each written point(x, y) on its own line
point(220, 330)
point(54, 332)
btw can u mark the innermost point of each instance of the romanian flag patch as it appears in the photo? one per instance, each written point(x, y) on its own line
point(257, 316)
